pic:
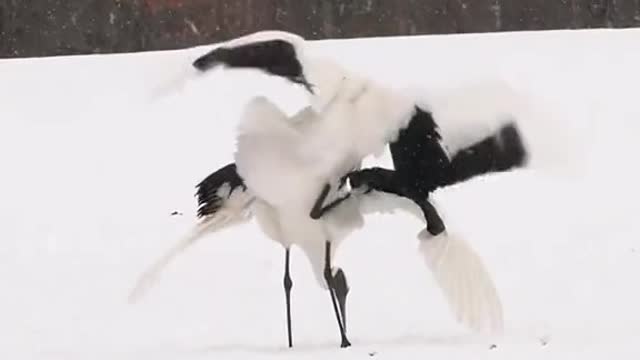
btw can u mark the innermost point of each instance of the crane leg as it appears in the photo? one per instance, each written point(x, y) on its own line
point(341, 289)
point(319, 209)
point(288, 284)
point(330, 282)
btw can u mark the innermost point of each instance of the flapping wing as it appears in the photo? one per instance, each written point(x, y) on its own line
point(501, 151)
point(223, 201)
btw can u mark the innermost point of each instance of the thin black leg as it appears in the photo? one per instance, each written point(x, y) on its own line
point(329, 278)
point(319, 208)
point(342, 290)
point(288, 284)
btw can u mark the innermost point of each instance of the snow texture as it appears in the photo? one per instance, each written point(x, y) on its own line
point(97, 152)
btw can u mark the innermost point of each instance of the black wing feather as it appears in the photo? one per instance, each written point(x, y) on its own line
point(208, 194)
point(422, 165)
point(500, 152)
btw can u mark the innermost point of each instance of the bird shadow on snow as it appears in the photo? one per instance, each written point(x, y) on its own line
point(369, 345)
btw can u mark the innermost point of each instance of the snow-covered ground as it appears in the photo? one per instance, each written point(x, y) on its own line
point(96, 152)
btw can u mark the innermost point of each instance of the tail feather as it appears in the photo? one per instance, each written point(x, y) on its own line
point(465, 282)
point(502, 151)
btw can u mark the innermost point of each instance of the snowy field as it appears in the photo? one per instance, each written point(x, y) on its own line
point(97, 152)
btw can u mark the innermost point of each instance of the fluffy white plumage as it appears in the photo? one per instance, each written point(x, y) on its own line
point(375, 111)
point(457, 269)
point(285, 162)
point(359, 118)
point(273, 165)
point(273, 159)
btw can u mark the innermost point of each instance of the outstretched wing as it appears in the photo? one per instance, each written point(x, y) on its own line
point(223, 201)
point(458, 270)
point(465, 281)
point(423, 161)
point(501, 151)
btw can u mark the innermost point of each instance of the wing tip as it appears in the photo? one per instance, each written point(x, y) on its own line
point(208, 191)
point(504, 150)
point(515, 153)
point(466, 283)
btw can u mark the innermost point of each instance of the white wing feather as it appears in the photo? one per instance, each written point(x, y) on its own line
point(464, 280)
point(458, 270)
point(235, 211)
